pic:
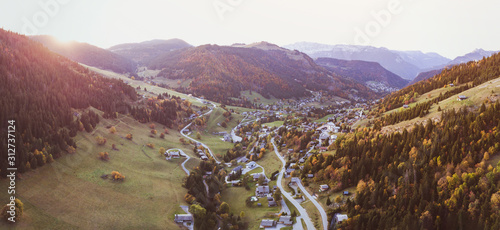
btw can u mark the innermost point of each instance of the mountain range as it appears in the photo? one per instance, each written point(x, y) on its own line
point(281, 72)
point(406, 64)
point(220, 72)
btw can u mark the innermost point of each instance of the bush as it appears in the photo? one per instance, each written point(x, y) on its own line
point(104, 156)
point(115, 175)
point(129, 136)
point(19, 209)
point(100, 140)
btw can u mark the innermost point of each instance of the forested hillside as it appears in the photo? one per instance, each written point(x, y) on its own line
point(425, 75)
point(88, 54)
point(362, 71)
point(432, 177)
point(222, 72)
point(39, 90)
point(144, 52)
point(441, 175)
point(472, 72)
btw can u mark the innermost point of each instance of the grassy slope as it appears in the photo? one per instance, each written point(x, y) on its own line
point(259, 98)
point(151, 88)
point(218, 146)
point(325, 118)
point(477, 96)
point(69, 192)
point(274, 124)
point(236, 196)
point(270, 162)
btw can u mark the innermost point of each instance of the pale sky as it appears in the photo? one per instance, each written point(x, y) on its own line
point(448, 27)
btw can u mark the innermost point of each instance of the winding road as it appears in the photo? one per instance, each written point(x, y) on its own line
point(302, 211)
point(183, 163)
point(204, 145)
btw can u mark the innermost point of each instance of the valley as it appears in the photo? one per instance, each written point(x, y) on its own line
point(165, 135)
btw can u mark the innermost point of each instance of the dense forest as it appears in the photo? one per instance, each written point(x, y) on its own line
point(40, 91)
point(474, 73)
point(164, 109)
point(436, 176)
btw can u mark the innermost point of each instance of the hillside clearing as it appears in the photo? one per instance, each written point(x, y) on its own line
point(69, 192)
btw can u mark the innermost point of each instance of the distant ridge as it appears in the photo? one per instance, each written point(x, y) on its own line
point(146, 51)
point(222, 72)
point(406, 64)
point(371, 74)
point(88, 54)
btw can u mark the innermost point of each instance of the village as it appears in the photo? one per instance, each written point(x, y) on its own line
point(285, 184)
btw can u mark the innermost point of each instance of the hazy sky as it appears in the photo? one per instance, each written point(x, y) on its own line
point(448, 27)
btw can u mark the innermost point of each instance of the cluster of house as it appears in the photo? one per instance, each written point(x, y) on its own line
point(239, 169)
point(338, 219)
point(225, 135)
point(285, 220)
point(325, 133)
point(202, 154)
point(172, 154)
point(184, 218)
point(265, 191)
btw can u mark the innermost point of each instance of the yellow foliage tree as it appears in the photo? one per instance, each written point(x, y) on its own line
point(104, 156)
point(117, 176)
point(189, 198)
point(100, 140)
point(161, 151)
point(112, 130)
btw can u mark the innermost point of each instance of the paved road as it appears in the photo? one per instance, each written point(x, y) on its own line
point(183, 163)
point(186, 136)
point(324, 218)
point(302, 211)
point(320, 208)
point(206, 186)
point(233, 134)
